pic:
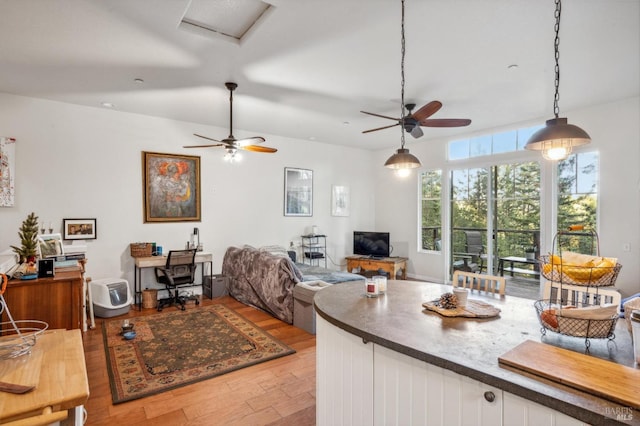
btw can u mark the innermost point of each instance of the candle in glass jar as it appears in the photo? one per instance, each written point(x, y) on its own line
point(371, 287)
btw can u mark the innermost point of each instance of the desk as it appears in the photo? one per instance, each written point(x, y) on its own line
point(512, 269)
point(57, 367)
point(153, 261)
point(390, 265)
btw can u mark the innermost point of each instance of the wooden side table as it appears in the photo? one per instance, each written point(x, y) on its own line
point(390, 265)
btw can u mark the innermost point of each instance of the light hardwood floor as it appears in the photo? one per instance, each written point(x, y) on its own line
point(278, 392)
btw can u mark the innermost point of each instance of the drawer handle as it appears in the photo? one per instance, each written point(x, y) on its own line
point(489, 396)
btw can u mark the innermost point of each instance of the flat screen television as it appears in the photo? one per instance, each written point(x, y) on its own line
point(374, 244)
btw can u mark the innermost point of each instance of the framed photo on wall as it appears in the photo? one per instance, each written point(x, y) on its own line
point(79, 229)
point(171, 186)
point(340, 200)
point(298, 192)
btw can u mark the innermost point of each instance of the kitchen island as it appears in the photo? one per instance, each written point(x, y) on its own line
point(387, 360)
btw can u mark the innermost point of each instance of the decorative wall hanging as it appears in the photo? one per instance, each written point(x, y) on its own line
point(340, 200)
point(171, 187)
point(79, 229)
point(7, 171)
point(298, 192)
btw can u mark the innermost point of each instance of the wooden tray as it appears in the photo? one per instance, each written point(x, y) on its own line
point(596, 376)
point(473, 309)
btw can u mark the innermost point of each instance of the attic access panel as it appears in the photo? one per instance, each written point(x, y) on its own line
point(229, 20)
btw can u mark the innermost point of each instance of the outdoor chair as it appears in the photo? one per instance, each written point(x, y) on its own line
point(472, 259)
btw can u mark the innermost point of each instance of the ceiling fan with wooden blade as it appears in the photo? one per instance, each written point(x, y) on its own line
point(413, 121)
point(230, 143)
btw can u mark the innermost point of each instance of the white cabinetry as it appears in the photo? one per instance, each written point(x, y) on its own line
point(362, 383)
point(408, 391)
point(344, 365)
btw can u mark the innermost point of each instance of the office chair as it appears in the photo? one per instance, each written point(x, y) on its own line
point(179, 269)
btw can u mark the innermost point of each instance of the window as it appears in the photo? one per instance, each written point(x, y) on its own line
point(496, 143)
point(431, 206)
point(578, 196)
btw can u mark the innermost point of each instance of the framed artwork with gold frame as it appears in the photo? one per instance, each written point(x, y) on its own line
point(171, 184)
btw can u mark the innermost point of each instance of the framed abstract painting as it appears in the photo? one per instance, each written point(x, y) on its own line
point(171, 186)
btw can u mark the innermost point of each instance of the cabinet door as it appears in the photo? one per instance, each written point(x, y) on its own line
point(412, 392)
point(522, 412)
point(344, 377)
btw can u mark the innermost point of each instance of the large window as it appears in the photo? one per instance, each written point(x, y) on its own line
point(496, 143)
point(578, 197)
point(431, 206)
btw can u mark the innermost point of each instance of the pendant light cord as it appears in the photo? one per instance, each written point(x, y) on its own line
point(402, 52)
point(556, 98)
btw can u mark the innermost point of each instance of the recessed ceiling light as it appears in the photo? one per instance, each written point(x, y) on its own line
point(512, 66)
point(138, 81)
point(346, 123)
point(107, 104)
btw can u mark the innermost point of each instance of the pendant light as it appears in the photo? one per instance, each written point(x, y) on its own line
point(402, 161)
point(558, 137)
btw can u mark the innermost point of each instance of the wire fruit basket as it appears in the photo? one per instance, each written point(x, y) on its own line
point(556, 318)
point(604, 274)
point(588, 316)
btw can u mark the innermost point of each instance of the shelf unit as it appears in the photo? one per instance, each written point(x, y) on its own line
point(314, 249)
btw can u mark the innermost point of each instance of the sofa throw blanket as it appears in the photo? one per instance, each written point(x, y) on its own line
point(260, 279)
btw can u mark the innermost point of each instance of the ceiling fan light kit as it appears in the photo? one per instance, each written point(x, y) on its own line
point(558, 137)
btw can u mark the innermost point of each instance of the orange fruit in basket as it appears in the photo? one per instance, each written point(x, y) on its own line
point(548, 316)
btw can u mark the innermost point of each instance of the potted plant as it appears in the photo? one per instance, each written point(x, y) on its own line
point(28, 237)
point(530, 253)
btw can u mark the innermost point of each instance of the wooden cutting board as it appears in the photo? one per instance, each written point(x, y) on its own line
point(596, 376)
point(473, 309)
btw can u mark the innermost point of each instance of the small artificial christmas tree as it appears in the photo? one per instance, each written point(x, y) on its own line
point(28, 237)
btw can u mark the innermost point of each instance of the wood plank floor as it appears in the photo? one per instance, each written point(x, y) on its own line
point(278, 392)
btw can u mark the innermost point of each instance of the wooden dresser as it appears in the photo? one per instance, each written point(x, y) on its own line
point(57, 301)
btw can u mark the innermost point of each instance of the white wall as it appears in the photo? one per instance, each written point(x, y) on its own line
point(615, 132)
point(79, 162)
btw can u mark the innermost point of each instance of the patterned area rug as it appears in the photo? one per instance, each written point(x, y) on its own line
point(174, 349)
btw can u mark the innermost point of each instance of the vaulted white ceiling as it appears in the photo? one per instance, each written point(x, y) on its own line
point(308, 67)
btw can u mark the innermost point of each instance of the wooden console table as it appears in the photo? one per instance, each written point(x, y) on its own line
point(58, 301)
point(390, 265)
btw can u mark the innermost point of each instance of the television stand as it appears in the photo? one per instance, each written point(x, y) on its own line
point(389, 265)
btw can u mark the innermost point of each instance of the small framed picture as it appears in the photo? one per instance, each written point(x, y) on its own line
point(79, 229)
point(49, 245)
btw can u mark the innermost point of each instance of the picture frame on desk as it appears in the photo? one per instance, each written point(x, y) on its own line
point(80, 229)
point(49, 245)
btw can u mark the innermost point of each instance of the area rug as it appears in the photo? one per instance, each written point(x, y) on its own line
point(174, 349)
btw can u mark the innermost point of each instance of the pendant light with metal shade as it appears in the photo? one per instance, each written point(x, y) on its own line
point(558, 137)
point(402, 161)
